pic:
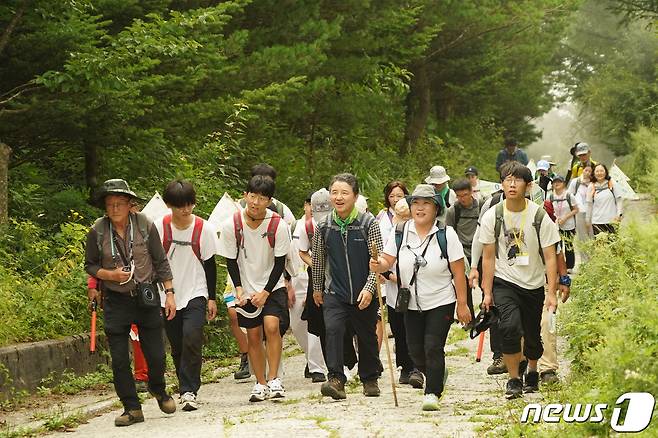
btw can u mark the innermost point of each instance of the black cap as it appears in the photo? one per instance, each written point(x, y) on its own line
point(471, 169)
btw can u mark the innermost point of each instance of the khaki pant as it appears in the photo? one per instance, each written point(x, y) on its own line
point(548, 360)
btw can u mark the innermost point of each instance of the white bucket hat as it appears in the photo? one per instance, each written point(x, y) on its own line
point(438, 175)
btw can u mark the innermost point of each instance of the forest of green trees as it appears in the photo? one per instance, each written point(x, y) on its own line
point(155, 89)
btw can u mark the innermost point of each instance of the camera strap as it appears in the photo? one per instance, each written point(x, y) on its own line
point(413, 281)
point(116, 246)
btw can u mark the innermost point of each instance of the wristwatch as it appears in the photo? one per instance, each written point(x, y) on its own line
point(169, 289)
point(565, 280)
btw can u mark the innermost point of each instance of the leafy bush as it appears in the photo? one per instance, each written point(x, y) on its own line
point(611, 323)
point(42, 283)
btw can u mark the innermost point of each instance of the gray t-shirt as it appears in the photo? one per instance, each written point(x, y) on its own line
point(468, 222)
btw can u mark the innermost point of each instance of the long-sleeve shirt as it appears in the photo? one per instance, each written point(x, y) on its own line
point(504, 156)
point(321, 271)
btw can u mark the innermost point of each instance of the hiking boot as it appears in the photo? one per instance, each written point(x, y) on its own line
point(243, 372)
point(514, 388)
point(523, 366)
point(318, 377)
point(549, 378)
point(307, 373)
point(404, 377)
point(165, 402)
point(259, 393)
point(276, 388)
point(430, 402)
point(371, 389)
point(497, 367)
point(334, 388)
point(141, 386)
point(129, 417)
point(416, 379)
point(531, 382)
point(188, 400)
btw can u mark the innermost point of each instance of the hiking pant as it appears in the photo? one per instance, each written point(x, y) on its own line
point(603, 228)
point(185, 334)
point(337, 316)
point(121, 311)
point(548, 360)
point(402, 357)
point(583, 233)
point(427, 332)
point(308, 341)
point(568, 238)
point(520, 317)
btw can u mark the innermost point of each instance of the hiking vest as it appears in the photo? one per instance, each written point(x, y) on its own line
point(143, 263)
point(347, 256)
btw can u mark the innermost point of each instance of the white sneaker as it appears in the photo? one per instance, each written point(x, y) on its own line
point(188, 400)
point(430, 402)
point(259, 393)
point(276, 388)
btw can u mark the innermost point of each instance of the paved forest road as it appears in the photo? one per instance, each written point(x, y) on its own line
point(473, 404)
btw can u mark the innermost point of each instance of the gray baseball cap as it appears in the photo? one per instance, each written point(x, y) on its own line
point(320, 205)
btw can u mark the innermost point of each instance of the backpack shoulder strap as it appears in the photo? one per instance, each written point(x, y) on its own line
point(143, 225)
point(237, 228)
point(539, 217)
point(365, 221)
point(271, 229)
point(458, 212)
point(196, 237)
point(166, 233)
point(99, 226)
point(399, 234)
point(443, 241)
point(310, 230)
point(499, 224)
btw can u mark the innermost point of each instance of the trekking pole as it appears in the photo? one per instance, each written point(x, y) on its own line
point(92, 344)
point(478, 356)
point(375, 255)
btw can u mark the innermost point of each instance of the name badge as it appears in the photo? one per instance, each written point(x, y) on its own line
point(522, 260)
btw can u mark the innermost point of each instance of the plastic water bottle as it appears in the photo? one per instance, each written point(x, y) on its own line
point(552, 321)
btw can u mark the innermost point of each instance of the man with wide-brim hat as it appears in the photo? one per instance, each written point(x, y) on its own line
point(125, 253)
point(117, 187)
point(439, 178)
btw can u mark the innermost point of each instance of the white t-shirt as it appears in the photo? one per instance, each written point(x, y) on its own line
point(189, 277)
point(604, 204)
point(434, 280)
point(561, 208)
point(300, 276)
point(256, 258)
point(389, 288)
point(530, 275)
point(580, 192)
point(303, 242)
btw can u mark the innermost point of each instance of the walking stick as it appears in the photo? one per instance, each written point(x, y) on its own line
point(92, 345)
point(375, 255)
point(478, 356)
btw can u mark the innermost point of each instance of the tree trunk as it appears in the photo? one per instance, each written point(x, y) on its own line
point(5, 152)
point(417, 107)
point(91, 165)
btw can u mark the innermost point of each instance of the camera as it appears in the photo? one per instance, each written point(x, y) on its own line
point(148, 295)
point(402, 303)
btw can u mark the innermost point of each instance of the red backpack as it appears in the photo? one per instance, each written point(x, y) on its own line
point(167, 238)
point(270, 233)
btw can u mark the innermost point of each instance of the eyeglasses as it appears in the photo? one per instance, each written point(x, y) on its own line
point(117, 205)
point(258, 198)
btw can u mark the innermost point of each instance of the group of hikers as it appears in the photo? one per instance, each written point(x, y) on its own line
point(427, 251)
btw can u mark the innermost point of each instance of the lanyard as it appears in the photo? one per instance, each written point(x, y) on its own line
point(517, 237)
point(417, 264)
point(115, 246)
